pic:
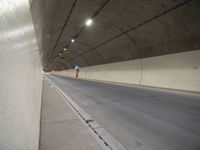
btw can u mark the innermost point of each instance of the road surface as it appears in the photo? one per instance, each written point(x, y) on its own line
point(140, 118)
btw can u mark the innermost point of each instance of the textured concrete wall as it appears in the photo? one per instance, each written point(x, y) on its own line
point(20, 78)
point(122, 30)
point(176, 71)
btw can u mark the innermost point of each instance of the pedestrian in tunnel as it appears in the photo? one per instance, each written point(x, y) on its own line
point(77, 71)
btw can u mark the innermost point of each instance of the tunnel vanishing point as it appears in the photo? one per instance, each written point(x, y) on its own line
point(99, 74)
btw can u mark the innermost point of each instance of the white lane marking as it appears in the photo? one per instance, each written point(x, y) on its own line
point(103, 136)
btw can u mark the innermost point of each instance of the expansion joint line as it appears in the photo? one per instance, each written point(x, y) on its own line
point(131, 29)
point(96, 13)
point(65, 24)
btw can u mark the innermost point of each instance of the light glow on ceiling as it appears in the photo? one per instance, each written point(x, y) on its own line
point(88, 22)
point(72, 40)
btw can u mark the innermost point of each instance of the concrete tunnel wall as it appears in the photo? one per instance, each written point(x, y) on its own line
point(175, 71)
point(20, 78)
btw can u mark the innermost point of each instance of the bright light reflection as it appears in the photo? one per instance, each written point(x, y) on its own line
point(15, 33)
point(8, 6)
point(73, 40)
point(29, 43)
point(89, 22)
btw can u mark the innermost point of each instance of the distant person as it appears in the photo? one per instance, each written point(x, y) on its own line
point(77, 71)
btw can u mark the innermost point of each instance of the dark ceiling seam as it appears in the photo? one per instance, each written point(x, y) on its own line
point(89, 46)
point(66, 64)
point(64, 25)
point(82, 29)
point(84, 59)
point(130, 39)
point(133, 28)
point(93, 16)
point(51, 64)
point(59, 65)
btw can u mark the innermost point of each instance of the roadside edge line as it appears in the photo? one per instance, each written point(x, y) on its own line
point(107, 141)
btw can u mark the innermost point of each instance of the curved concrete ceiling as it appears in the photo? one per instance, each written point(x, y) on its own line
point(122, 30)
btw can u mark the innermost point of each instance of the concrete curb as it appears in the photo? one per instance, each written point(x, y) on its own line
point(103, 136)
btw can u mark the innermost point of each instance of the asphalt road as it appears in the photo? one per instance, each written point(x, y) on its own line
point(140, 118)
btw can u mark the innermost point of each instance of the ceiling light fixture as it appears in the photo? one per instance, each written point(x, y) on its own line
point(72, 40)
point(88, 22)
point(65, 49)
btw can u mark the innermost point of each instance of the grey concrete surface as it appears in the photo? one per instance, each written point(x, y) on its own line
point(122, 30)
point(20, 78)
point(182, 72)
point(61, 129)
point(140, 118)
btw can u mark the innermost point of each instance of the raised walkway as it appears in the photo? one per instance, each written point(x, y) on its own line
point(61, 129)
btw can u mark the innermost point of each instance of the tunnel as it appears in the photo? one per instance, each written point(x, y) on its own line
point(99, 75)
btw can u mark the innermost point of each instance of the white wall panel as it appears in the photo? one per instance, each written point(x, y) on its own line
point(20, 78)
point(175, 71)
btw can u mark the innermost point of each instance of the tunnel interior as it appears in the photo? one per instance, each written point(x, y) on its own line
point(121, 30)
point(99, 74)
